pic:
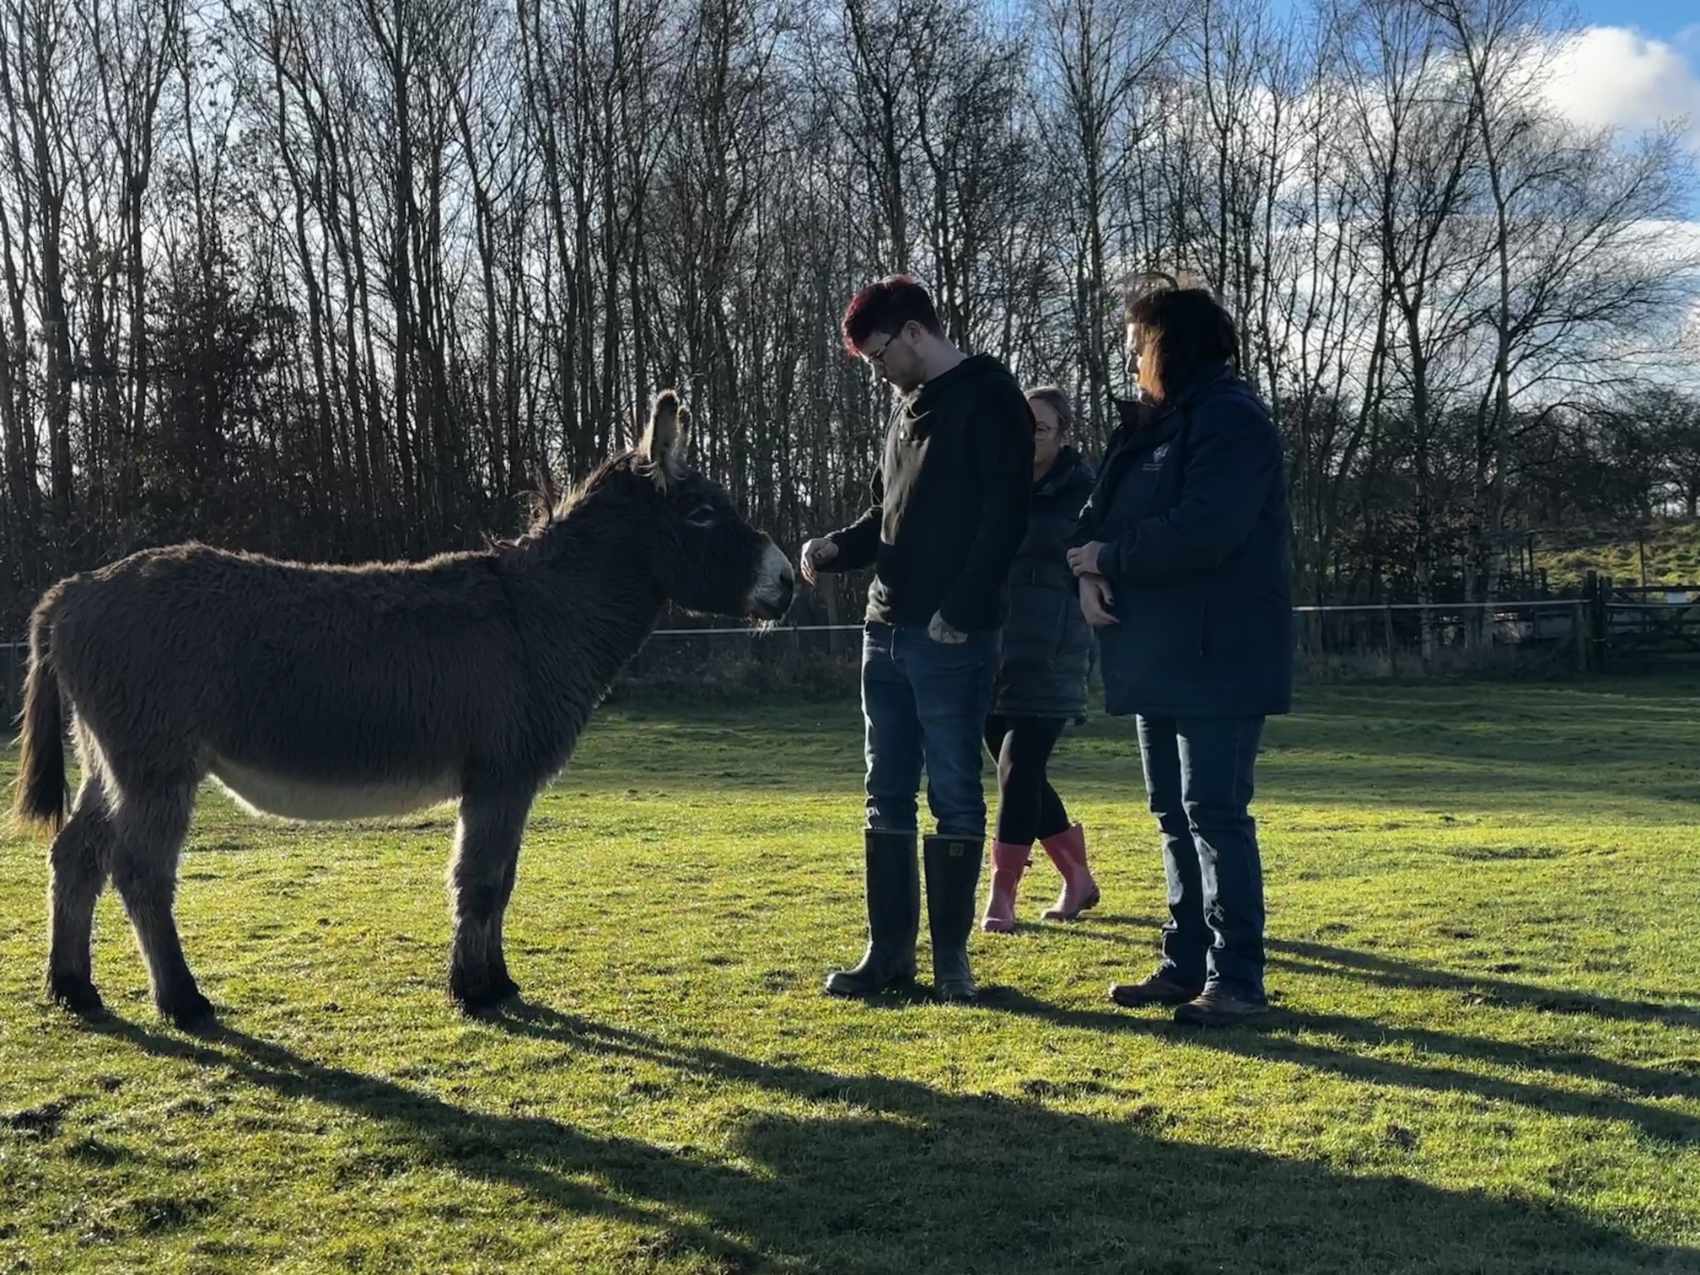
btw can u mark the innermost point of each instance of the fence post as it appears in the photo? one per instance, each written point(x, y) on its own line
point(1579, 635)
point(1597, 589)
point(1387, 631)
point(1590, 590)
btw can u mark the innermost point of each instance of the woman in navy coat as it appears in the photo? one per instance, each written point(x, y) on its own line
point(1183, 565)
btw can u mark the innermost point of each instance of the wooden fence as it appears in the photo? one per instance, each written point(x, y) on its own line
point(1632, 624)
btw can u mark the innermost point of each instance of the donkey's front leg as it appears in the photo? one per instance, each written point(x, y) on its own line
point(481, 878)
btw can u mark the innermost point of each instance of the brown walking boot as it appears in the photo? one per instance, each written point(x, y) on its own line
point(1218, 1006)
point(1162, 988)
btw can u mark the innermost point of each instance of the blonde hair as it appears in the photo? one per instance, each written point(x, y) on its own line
point(1053, 397)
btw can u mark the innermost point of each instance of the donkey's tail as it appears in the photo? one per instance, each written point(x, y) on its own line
point(40, 797)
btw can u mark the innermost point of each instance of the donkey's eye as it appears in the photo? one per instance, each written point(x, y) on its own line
point(703, 516)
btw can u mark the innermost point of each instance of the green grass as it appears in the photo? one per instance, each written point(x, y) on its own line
point(1673, 555)
point(1483, 921)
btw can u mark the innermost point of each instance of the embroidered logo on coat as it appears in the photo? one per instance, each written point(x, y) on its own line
point(1156, 461)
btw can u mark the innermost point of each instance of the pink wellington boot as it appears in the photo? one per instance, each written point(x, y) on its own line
point(1008, 863)
point(1080, 891)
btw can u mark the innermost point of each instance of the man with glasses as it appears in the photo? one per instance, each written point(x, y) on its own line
point(949, 513)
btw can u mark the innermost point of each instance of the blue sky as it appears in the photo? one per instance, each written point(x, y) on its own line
point(1637, 61)
point(1663, 19)
point(1635, 64)
point(1673, 21)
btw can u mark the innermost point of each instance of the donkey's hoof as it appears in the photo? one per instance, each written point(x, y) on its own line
point(475, 997)
point(75, 994)
point(189, 1010)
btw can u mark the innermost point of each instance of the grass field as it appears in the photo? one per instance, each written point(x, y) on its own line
point(1672, 550)
point(1483, 920)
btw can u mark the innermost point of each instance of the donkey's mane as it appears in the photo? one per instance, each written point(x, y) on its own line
point(554, 514)
point(558, 515)
point(585, 488)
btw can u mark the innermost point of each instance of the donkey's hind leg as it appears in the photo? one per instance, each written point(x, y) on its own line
point(149, 825)
point(481, 879)
point(80, 858)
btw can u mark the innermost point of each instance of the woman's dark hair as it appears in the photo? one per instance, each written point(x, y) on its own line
point(885, 306)
point(1053, 397)
point(1183, 332)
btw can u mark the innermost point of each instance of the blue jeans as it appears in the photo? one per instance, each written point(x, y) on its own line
point(926, 702)
point(1198, 776)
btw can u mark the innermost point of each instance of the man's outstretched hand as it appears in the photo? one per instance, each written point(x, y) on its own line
point(816, 554)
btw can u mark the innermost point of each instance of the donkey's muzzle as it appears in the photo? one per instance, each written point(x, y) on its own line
point(775, 585)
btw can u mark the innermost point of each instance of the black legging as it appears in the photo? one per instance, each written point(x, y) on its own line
point(1029, 809)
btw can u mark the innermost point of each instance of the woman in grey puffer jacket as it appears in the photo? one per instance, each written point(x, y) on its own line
point(1041, 682)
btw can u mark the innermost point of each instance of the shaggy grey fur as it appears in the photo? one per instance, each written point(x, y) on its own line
point(323, 691)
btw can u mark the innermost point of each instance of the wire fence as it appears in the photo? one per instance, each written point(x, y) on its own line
point(1399, 640)
point(1414, 639)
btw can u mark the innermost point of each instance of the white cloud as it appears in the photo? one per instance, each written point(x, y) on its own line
point(1615, 77)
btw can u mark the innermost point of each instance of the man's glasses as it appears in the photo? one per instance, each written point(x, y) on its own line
point(878, 356)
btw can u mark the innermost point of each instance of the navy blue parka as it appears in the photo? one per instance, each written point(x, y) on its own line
point(1191, 504)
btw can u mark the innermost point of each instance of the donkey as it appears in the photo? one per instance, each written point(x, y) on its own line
point(329, 692)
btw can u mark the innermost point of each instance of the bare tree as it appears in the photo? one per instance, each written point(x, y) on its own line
point(335, 279)
point(1096, 59)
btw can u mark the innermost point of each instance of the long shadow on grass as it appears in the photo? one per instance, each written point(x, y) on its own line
point(1275, 1040)
point(532, 1154)
point(860, 1173)
point(1024, 1183)
point(1392, 972)
point(1389, 971)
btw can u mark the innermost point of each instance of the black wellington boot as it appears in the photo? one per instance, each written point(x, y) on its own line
point(953, 880)
point(894, 917)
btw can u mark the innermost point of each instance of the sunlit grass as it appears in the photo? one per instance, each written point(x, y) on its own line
point(1672, 551)
point(1487, 1058)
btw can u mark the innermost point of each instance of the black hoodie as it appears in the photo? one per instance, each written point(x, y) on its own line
point(950, 506)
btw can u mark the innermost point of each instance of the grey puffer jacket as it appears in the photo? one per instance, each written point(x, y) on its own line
point(1047, 645)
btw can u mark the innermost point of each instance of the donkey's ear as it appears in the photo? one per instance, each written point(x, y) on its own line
point(663, 447)
point(544, 496)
